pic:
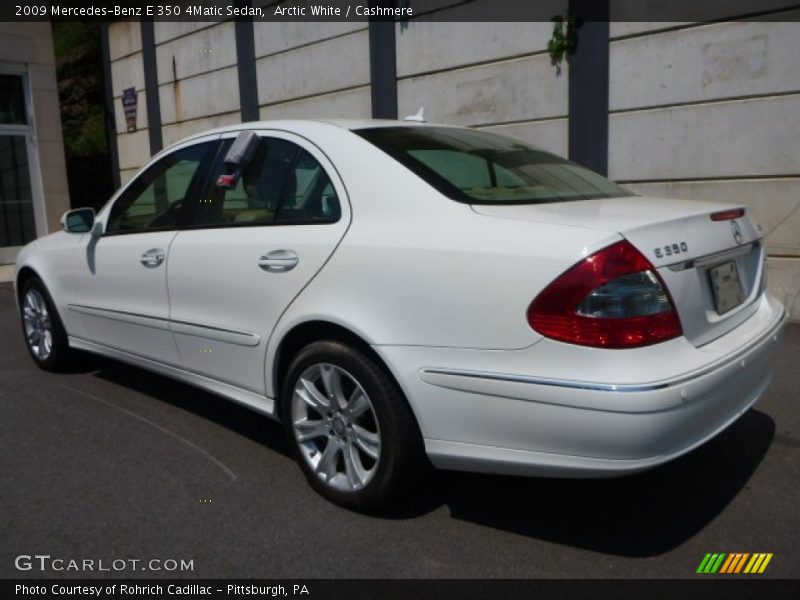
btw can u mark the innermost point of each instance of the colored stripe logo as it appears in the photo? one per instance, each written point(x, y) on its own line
point(734, 563)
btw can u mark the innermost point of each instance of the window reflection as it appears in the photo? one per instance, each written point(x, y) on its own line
point(17, 226)
point(12, 100)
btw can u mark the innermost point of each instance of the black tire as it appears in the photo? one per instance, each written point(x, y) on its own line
point(401, 463)
point(60, 355)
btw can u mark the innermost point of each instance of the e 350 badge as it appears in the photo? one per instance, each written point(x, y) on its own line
point(671, 250)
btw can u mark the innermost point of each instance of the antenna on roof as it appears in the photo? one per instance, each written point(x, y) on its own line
point(419, 117)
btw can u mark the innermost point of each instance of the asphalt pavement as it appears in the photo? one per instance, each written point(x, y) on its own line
point(111, 462)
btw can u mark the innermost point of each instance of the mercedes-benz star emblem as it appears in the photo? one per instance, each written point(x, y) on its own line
point(737, 232)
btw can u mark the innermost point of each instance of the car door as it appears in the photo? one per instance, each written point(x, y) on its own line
point(250, 252)
point(120, 284)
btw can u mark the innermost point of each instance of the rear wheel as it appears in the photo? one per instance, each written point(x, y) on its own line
point(350, 427)
point(45, 336)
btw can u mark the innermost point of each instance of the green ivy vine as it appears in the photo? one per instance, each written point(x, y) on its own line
point(565, 38)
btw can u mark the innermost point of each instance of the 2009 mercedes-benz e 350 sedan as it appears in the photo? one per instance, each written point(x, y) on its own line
point(396, 293)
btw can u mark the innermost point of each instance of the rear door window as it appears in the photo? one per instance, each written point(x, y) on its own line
point(284, 184)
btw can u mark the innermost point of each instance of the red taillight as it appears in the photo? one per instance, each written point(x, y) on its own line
point(727, 215)
point(611, 299)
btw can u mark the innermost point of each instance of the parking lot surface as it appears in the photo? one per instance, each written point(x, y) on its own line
point(110, 461)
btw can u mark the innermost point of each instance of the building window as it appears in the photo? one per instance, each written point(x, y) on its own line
point(17, 222)
point(12, 100)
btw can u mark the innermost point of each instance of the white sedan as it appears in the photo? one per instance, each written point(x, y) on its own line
point(402, 293)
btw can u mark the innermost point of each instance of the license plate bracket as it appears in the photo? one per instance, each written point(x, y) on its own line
point(726, 286)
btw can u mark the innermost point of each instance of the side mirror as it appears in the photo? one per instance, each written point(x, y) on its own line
point(79, 220)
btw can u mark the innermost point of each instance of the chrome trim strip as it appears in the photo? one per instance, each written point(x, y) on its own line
point(576, 385)
point(609, 387)
point(121, 315)
point(708, 259)
point(213, 332)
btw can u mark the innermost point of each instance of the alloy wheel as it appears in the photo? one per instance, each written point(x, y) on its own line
point(335, 426)
point(38, 327)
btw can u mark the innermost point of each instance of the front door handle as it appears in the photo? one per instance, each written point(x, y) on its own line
point(153, 258)
point(279, 261)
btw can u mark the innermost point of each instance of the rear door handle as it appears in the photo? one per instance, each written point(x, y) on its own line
point(153, 258)
point(279, 261)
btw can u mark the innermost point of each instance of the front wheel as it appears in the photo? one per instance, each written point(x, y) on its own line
point(350, 427)
point(44, 333)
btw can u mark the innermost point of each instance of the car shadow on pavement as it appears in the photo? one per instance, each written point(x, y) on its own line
point(636, 516)
point(206, 405)
point(640, 515)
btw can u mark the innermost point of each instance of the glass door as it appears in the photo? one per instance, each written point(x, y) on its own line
point(17, 218)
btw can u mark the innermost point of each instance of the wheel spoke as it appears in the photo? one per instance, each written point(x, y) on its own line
point(332, 382)
point(34, 337)
point(37, 301)
point(309, 393)
point(30, 302)
point(42, 350)
point(367, 441)
point(356, 474)
point(306, 430)
point(327, 462)
point(28, 312)
point(30, 326)
point(358, 403)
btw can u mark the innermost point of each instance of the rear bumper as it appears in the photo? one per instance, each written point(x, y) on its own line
point(522, 422)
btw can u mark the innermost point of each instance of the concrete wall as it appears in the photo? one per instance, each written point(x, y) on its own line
point(198, 86)
point(501, 80)
point(198, 83)
point(127, 70)
point(299, 70)
point(313, 70)
point(30, 44)
point(710, 112)
point(496, 76)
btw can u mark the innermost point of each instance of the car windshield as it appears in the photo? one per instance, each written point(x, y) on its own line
point(478, 167)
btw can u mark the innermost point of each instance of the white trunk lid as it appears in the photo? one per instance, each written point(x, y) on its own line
point(713, 269)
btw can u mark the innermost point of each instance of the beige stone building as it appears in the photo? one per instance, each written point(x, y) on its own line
point(33, 177)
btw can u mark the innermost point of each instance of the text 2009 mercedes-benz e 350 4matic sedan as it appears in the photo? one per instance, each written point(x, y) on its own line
point(402, 293)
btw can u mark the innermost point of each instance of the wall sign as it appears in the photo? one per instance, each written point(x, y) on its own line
point(129, 103)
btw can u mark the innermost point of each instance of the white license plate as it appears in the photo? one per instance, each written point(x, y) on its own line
point(726, 287)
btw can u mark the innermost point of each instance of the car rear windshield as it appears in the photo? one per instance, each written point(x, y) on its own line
point(478, 167)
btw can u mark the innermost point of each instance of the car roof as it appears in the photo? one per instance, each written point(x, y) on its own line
point(288, 124)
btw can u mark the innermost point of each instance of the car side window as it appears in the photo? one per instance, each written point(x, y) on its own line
point(283, 184)
point(158, 200)
point(309, 196)
point(257, 194)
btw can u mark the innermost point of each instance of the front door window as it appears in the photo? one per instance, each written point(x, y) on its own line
point(159, 199)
